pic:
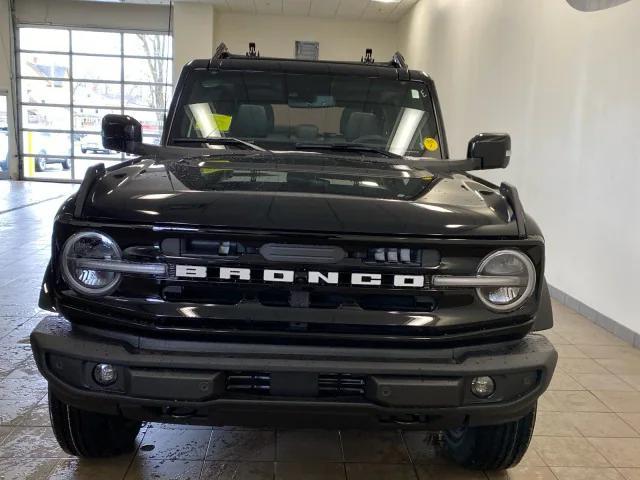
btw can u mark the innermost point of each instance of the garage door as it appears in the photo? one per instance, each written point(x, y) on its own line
point(70, 78)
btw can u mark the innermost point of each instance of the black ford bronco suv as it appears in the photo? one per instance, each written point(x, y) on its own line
point(299, 251)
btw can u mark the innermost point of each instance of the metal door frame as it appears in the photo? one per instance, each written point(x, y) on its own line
point(4, 175)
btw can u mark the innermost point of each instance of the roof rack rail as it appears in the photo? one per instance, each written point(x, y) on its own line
point(368, 56)
point(252, 53)
point(398, 61)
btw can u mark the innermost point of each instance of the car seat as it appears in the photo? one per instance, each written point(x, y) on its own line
point(250, 121)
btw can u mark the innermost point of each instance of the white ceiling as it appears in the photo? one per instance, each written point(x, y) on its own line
point(348, 9)
point(352, 9)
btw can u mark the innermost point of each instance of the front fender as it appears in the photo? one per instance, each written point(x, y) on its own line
point(45, 301)
point(544, 316)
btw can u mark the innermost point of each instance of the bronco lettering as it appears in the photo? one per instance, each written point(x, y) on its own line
point(290, 276)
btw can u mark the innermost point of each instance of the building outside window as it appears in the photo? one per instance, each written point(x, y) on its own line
point(70, 78)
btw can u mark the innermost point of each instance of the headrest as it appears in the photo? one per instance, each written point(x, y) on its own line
point(306, 132)
point(250, 121)
point(268, 108)
point(360, 124)
point(344, 118)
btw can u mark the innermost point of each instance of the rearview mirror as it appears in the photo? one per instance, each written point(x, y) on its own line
point(121, 133)
point(493, 150)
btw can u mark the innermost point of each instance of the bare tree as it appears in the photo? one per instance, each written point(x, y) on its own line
point(156, 48)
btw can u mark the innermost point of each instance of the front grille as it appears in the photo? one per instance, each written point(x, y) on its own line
point(300, 253)
point(318, 276)
point(303, 312)
point(286, 297)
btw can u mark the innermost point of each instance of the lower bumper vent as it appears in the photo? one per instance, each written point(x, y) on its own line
point(328, 385)
point(249, 382)
point(339, 384)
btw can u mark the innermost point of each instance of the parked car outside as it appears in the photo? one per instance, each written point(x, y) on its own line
point(92, 144)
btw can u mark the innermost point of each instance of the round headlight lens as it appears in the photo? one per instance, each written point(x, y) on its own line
point(95, 246)
point(507, 263)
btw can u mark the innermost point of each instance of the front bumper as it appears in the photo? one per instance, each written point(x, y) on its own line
point(190, 382)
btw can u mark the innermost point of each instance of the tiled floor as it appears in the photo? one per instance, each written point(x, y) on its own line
point(588, 425)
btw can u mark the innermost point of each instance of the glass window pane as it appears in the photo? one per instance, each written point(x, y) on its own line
point(95, 42)
point(87, 119)
point(55, 118)
point(96, 68)
point(152, 70)
point(151, 121)
point(45, 65)
point(94, 62)
point(48, 168)
point(147, 45)
point(44, 39)
point(90, 145)
point(3, 115)
point(46, 143)
point(151, 140)
point(4, 137)
point(98, 94)
point(44, 91)
point(147, 96)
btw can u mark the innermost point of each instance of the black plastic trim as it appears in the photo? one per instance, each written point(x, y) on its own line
point(510, 192)
point(544, 316)
point(93, 174)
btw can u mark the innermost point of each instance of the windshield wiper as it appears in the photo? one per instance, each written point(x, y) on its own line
point(226, 141)
point(346, 147)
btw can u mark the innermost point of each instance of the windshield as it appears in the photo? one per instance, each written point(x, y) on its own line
point(285, 111)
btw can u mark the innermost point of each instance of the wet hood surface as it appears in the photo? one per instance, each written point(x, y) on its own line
point(294, 191)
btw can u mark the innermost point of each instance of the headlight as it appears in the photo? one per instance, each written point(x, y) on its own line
point(507, 264)
point(84, 246)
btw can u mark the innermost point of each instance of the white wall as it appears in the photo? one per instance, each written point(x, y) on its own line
point(192, 33)
point(565, 85)
point(275, 36)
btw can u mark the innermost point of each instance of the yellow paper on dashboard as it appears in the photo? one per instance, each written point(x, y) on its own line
point(223, 122)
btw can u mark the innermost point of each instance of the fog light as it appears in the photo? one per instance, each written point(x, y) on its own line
point(105, 374)
point(483, 387)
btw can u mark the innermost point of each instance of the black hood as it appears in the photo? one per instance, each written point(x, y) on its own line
point(294, 191)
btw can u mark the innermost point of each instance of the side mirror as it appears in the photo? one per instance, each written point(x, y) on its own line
point(492, 150)
point(121, 133)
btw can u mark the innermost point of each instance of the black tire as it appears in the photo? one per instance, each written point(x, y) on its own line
point(493, 447)
point(66, 164)
point(41, 164)
point(83, 150)
point(88, 434)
